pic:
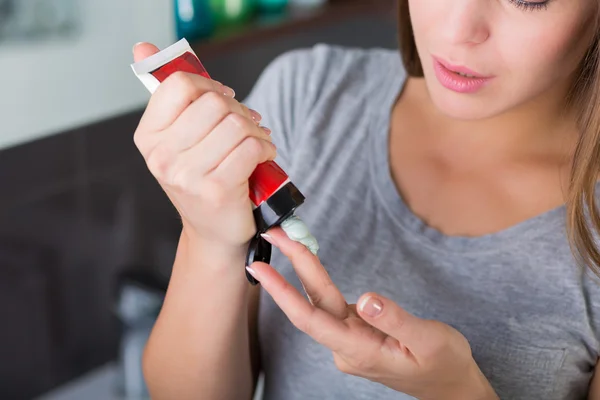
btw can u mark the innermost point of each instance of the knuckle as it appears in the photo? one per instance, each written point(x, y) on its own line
point(138, 140)
point(239, 121)
point(180, 179)
point(184, 85)
point(273, 154)
point(339, 364)
point(159, 163)
point(342, 365)
point(216, 101)
point(179, 79)
point(253, 146)
point(214, 194)
point(439, 345)
point(314, 298)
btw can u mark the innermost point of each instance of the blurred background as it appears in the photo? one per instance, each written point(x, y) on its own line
point(87, 238)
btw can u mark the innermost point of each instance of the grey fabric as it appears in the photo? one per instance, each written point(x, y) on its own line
point(530, 314)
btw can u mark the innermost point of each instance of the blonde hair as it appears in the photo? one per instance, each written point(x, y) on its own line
point(583, 218)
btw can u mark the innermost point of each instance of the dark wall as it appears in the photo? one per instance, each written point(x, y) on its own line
point(78, 207)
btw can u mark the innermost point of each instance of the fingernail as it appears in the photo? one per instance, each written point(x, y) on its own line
point(229, 92)
point(268, 237)
point(371, 306)
point(252, 272)
point(255, 115)
point(267, 130)
point(136, 45)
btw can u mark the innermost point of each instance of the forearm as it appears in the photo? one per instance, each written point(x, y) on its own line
point(199, 347)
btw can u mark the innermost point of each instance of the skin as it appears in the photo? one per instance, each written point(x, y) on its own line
point(202, 146)
point(494, 159)
point(515, 130)
point(533, 55)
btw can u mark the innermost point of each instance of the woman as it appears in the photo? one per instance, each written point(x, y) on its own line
point(440, 184)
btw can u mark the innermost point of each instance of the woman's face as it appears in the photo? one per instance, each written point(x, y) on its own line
point(519, 50)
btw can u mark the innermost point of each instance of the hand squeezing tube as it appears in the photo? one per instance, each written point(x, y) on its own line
point(274, 197)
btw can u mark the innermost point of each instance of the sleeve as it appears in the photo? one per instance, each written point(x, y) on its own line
point(282, 95)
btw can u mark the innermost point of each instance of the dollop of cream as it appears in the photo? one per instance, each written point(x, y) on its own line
point(297, 230)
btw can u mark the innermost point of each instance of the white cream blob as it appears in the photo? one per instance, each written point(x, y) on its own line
point(297, 230)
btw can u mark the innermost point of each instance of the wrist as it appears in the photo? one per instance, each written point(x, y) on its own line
point(475, 387)
point(212, 248)
point(205, 275)
point(211, 256)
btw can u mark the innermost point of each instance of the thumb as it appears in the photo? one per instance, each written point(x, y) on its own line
point(385, 315)
point(143, 50)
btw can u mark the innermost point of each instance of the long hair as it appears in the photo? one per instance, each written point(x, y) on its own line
point(583, 217)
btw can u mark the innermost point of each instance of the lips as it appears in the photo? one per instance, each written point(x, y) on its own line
point(458, 78)
point(458, 69)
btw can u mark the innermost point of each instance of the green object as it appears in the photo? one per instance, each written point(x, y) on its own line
point(232, 11)
point(193, 19)
point(272, 5)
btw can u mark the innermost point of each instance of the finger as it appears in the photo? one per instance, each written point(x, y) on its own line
point(319, 287)
point(173, 96)
point(239, 165)
point(207, 155)
point(143, 50)
point(318, 324)
point(391, 319)
point(202, 117)
point(225, 138)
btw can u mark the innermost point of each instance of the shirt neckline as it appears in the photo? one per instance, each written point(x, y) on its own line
point(393, 81)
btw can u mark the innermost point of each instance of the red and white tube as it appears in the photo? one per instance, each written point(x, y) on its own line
point(268, 177)
point(273, 195)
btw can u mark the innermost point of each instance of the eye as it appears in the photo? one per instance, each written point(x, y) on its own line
point(530, 5)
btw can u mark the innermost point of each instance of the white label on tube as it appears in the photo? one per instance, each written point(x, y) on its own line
point(143, 69)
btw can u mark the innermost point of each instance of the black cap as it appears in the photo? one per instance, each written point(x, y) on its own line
point(277, 208)
point(271, 213)
point(258, 250)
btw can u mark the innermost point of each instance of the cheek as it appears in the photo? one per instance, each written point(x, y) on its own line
point(425, 17)
point(539, 57)
point(528, 57)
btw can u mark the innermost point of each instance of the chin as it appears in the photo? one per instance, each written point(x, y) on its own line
point(460, 106)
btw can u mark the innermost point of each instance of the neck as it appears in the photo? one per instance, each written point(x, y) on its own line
point(543, 126)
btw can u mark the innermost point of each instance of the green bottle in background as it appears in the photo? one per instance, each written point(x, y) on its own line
point(272, 5)
point(193, 19)
point(232, 11)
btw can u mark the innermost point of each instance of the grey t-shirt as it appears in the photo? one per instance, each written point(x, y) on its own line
point(530, 314)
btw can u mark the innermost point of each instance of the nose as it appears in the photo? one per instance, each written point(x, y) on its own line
point(467, 22)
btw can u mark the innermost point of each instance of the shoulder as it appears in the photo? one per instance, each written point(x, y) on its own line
point(322, 68)
point(313, 85)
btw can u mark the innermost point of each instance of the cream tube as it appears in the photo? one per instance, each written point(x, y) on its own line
point(274, 197)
